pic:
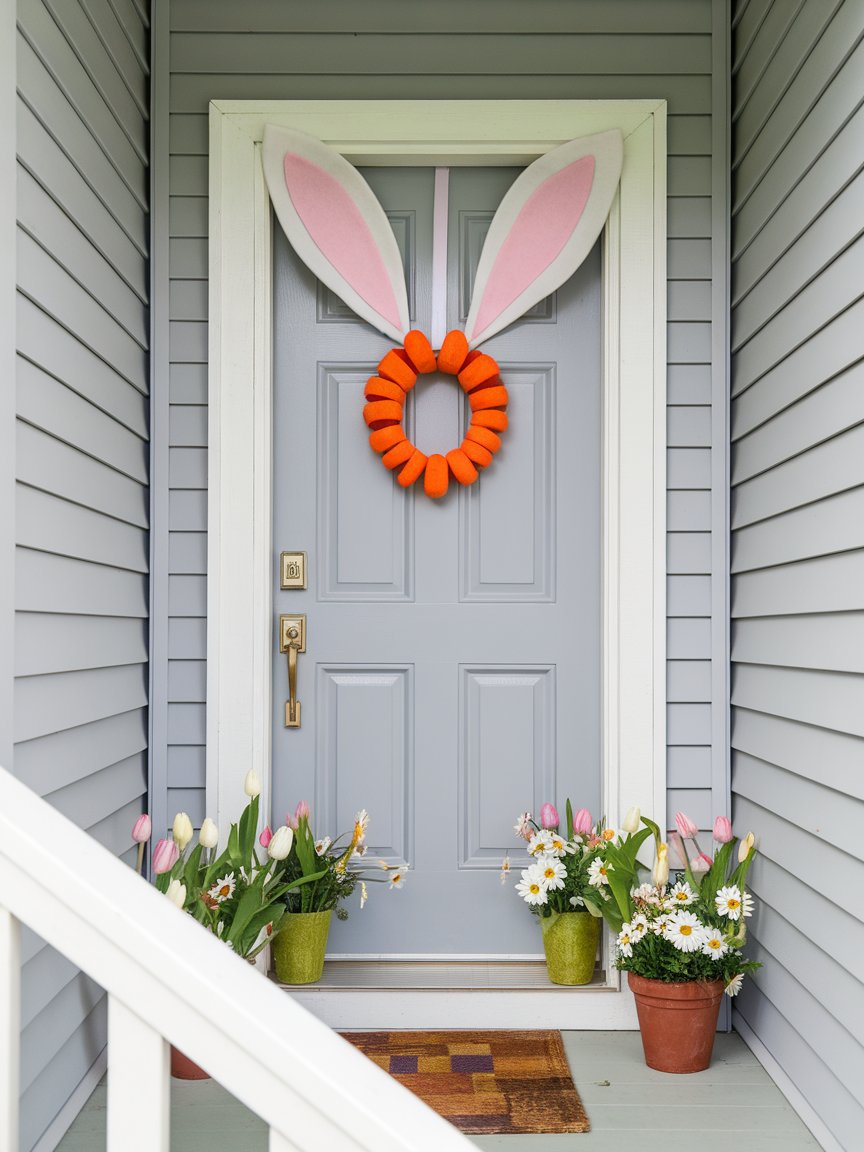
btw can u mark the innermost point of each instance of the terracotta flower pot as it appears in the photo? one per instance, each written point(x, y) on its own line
point(677, 1022)
point(570, 942)
point(298, 947)
point(182, 1068)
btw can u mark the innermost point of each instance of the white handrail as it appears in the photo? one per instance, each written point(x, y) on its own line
point(169, 981)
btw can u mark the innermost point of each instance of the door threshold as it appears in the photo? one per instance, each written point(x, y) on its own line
point(441, 976)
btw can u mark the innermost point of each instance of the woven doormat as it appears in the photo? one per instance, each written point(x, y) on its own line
point(487, 1082)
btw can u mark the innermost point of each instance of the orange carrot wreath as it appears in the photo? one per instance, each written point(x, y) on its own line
point(397, 375)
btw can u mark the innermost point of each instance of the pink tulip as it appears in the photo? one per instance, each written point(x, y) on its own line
point(142, 829)
point(677, 845)
point(549, 817)
point(582, 821)
point(722, 830)
point(266, 836)
point(292, 822)
point(165, 856)
point(700, 864)
point(686, 826)
point(301, 812)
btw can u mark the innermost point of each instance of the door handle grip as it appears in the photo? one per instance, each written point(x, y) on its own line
point(292, 641)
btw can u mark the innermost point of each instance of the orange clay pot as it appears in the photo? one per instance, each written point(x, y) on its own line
point(182, 1068)
point(677, 1022)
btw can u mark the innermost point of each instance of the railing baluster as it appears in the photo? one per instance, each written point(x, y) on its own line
point(139, 1091)
point(10, 1027)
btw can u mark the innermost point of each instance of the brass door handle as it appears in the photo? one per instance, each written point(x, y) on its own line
point(292, 641)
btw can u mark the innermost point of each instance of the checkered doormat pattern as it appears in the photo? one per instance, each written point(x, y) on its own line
point(483, 1082)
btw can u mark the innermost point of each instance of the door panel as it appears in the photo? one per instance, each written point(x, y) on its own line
point(451, 676)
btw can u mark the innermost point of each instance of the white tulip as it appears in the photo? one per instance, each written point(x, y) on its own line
point(660, 875)
point(208, 837)
point(182, 830)
point(280, 845)
point(746, 847)
point(176, 893)
point(252, 785)
point(630, 823)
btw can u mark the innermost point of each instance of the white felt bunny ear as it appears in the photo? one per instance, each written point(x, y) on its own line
point(544, 228)
point(337, 227)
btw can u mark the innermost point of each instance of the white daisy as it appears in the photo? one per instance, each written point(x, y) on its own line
point(681, 895)
point(734, 985)
point(729, 902)
point(554, 872)
point(522, 827)
point(557, 845)
point(397, 877)
point(638, 927)
point(713, 943)
point(540, 843)
point(625, 941)
point(322, 845)
point(658, 926)
point(598, 873)
point(505, 869)
point(747, 904)
point(685, 932)
point(531, 888)
point(361, 823)
point(223, 889)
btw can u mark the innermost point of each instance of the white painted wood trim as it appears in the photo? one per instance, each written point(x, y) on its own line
point(10, 1027)
point(634, 546)
point(139, 1087)
point(793, 1094)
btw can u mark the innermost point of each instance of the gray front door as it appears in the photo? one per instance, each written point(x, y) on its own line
point(452, 671)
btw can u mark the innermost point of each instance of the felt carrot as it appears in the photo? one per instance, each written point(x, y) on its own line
point(412, 469)
point(461, 466)
point(492, 418)
point(387, 437)
point(485, 437)
point(400, 454)
point(437, 477)
point(495, 397)
point(420, 351)
point(378, 389)
point(481, 369)
point(453, 352)
point(475, 452)
point(396, 368)
point(380, 411)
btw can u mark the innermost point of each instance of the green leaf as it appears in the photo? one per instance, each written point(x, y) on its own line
point(190, 872)
point(620, 887)
point(248, 828)
point(570, 829)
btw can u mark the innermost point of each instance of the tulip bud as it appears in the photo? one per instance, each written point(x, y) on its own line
point(165, 856)
point(630, 823)
point(252, 785)
point(660, 874)
point(208, 837)
point(280, 843)
point(266, 836)
point(746, 847)
point(176, 893)
point(686, 826)
point(582, 822)
point(549, 817)
point(722, 830)
point(142, 829)
point(301, 812)
point(292, 822)
point(182, 830)
point(678, 846)
point(700, 864)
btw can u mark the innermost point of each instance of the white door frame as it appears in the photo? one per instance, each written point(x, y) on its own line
point(240, 595)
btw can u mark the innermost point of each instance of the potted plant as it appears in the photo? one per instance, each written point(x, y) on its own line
point(563, 886)
point(680, 938)
point(320, 874)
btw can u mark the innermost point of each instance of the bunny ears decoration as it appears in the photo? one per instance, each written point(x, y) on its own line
point(544, 228)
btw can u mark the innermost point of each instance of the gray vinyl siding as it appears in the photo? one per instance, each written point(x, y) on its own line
point(797, 555)
point(81, 466)
point(389, 49)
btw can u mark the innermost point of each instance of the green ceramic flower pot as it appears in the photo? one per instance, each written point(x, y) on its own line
point(570, 941)
point(299, 947)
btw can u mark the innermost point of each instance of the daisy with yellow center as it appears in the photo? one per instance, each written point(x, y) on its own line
point(685, 932)
point(731, 903)
point(531, 887)
point(713, 943)
point(554, 872)
point(681, 895)
point(625, 941)
point(223, 889)
point(598, 873)
point(398, 877)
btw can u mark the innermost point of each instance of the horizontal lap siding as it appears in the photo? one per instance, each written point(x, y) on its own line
point(387, 49)
point(797, 553)
point(82, 466)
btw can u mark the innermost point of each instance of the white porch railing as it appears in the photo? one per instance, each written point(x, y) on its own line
point(170, 982)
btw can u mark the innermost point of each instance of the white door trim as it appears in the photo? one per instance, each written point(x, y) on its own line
point(240, 596)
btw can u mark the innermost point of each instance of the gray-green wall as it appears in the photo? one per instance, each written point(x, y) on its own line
point(451, 49)
point(81, 462)
point(798, 540)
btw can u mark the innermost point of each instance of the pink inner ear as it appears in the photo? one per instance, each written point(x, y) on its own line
point(338, 228)
point(545, 223)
